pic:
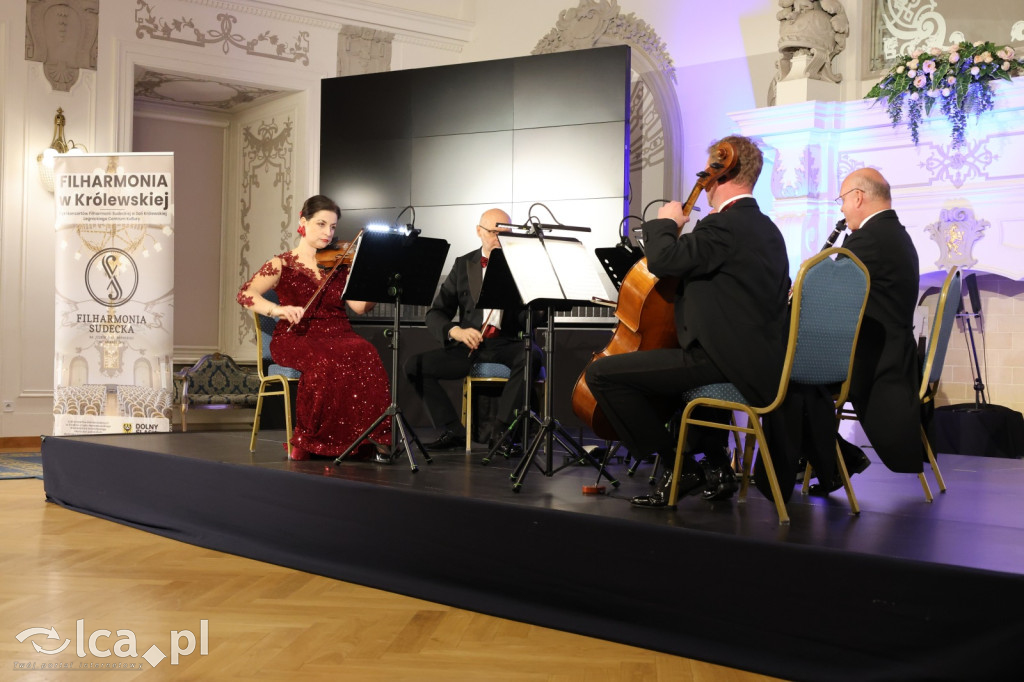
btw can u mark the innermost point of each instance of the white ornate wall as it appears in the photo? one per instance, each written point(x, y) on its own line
point(961, 208)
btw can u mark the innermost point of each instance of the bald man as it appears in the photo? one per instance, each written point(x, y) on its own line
point(480, 335)
point(886, 370)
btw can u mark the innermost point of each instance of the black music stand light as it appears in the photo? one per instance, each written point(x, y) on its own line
point(395, 268)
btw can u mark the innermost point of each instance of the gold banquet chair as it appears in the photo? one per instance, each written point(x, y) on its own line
point(938, 341)
point(829, 297)
point(275, 374)
point(480, 373)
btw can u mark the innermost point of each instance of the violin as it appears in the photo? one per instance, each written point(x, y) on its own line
point(646, 306)
point(328, 259)
point(334, 254)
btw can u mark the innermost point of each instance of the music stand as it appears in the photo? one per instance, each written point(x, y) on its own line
point(617, 261)
point(536, 283)
point(395, 268)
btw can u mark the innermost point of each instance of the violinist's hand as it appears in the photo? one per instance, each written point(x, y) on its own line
point(468, 336)
point(292, 313)
point(674, 211)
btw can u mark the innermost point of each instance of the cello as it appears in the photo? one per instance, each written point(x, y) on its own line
point(646, 307)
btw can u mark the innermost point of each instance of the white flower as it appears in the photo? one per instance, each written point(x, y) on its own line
point(951, 80)
point(900, 69)
point(916, 53)
point(975, 70)
point(912, 64)
point(912, 73)
point(1006, 66)
point(954, 57)
point(935, 51)
point(914, 96)
point(945, 92)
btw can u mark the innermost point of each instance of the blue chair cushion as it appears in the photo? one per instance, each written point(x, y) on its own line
point(490, 370)
point(724, 391)
point(286, 372)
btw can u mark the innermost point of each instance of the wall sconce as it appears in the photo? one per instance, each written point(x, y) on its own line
point(58, 146)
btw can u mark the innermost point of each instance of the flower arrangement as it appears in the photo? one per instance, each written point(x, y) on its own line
point(957, 79)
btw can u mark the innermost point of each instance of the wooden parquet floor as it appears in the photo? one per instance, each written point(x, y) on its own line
point(265, 622)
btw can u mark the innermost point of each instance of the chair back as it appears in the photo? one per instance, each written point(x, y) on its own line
point(942, 326)
point(264, 332)
point(829, 298)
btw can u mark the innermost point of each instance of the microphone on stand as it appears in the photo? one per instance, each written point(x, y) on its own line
point(838, 230)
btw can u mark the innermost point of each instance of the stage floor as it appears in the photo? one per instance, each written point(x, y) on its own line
point(897, 592)
point(979, 523)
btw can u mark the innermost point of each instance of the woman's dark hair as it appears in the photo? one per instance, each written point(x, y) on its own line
point(318, 203)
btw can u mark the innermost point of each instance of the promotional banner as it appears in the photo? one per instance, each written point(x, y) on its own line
point(115, 293)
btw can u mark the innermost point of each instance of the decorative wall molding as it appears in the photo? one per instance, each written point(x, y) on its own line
point(959, 166)
point(268, 154)
point(184, 31)
point(803, 179)
point(420, 41)
point(62, 35)
point(598, 23)
point(155, 87)
point(272, 14)
point(955, 232)
point(966, 191)
point(595, 21)
point(363, 50)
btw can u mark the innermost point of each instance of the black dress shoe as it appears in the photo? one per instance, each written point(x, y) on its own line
point(823, 490)
point(448, 440)
point(856, 462)
point(690, 483)
point(721, 483)
point(659, 498)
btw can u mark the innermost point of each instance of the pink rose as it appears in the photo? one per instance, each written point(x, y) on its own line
point(920, 81)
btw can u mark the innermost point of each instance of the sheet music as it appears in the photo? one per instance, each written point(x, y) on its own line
point(572, 277)
point(355, 255)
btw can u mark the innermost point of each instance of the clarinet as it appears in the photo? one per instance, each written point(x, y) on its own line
point(836, 231)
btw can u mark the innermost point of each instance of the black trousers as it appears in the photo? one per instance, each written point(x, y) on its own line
point(639, 392)
point(427, 370)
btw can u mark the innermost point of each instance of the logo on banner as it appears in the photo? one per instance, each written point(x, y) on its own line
point(111, 277)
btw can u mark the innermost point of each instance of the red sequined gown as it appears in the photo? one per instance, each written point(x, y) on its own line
point(344, 386)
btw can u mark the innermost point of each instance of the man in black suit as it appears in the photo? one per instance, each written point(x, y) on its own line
point(480, 335)
point(730, 319)
point(886, 371)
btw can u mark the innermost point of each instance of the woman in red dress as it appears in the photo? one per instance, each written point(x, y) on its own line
point(344, 386)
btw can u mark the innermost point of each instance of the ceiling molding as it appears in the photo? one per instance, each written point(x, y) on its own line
point(332, 14)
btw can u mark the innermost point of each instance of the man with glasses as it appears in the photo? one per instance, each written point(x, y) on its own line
point(480, 335)
point(886, 371)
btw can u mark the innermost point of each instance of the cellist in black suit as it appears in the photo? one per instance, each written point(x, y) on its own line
point(730, 319)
